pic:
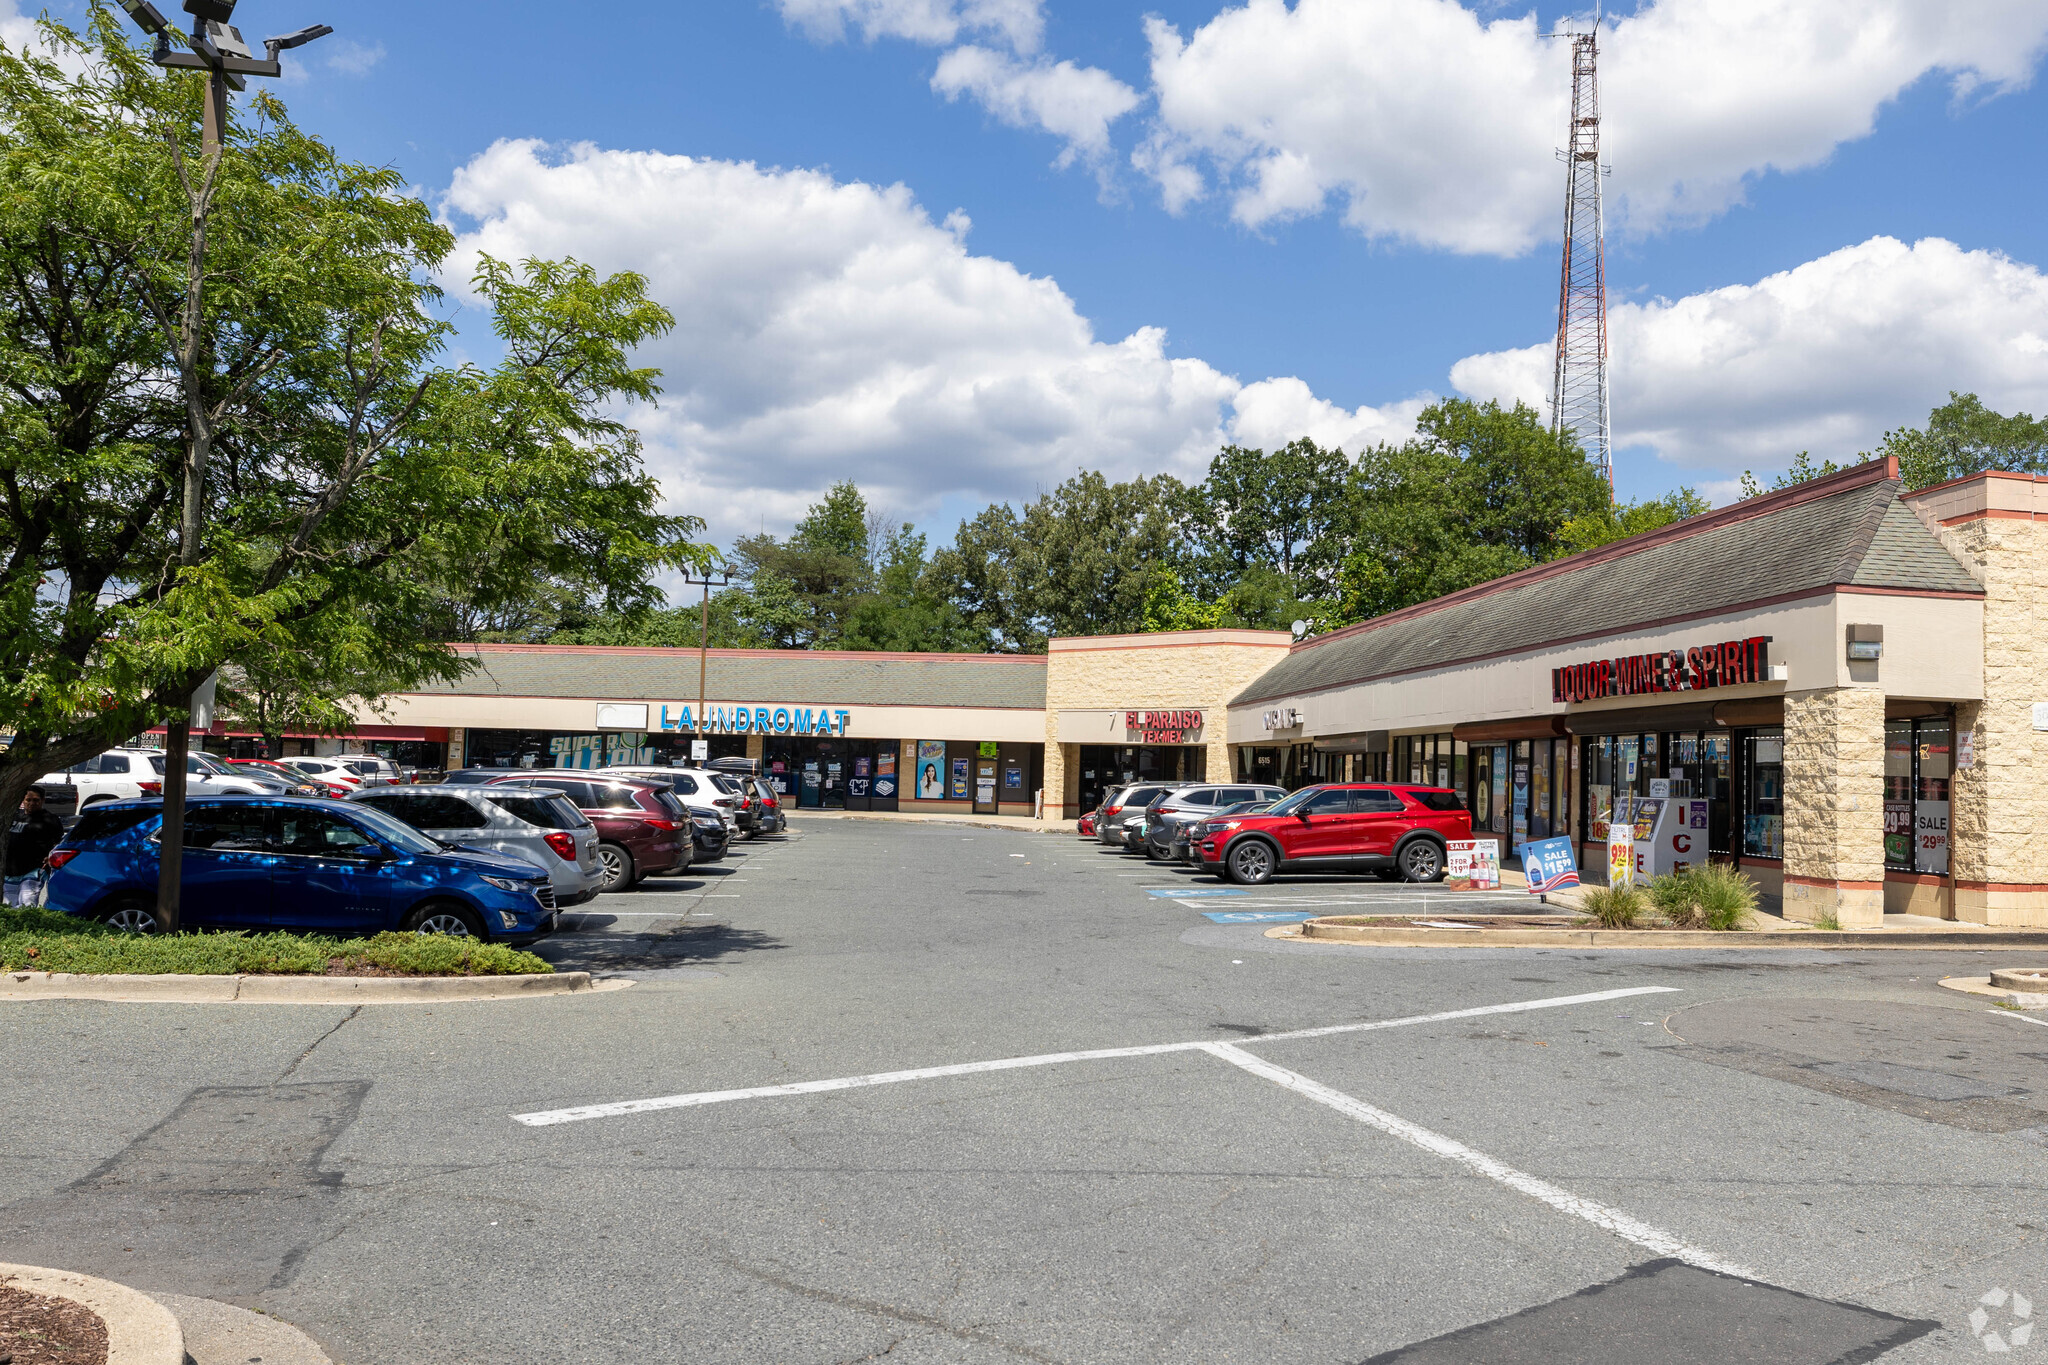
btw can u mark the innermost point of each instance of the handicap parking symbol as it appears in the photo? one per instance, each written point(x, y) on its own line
point(1258, 916)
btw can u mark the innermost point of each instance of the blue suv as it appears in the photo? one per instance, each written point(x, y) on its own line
point(317, 866)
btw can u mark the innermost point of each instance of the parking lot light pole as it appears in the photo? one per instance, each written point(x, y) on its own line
point(215, 48)
point(704, 653)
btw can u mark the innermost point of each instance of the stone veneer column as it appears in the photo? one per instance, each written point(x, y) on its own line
point(1834, 805)
point(757, 747)
point(1055, 779)
point(1217, 742)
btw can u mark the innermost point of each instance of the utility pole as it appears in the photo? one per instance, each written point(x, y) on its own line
point(704, 653)
point(216, 49)
point(1578, 400)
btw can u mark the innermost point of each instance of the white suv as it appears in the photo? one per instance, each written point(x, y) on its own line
point(122, 774)
point(698, 788)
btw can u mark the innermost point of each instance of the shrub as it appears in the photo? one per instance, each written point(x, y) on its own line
point(1705, 896)
point(1615, 907)
point(42, 941)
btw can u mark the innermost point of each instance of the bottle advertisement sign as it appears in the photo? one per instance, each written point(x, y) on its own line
point(1621, 847)
point(1472, 865)
point(1549, 865)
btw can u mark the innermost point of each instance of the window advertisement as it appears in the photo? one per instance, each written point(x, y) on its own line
point(958, 786)
point(931, 770)
point(863, 775)
point(1500, 789)
point(885, 772)
point(1763, 805)
point(1521, 795)
point(1930, 806)
point(1899, 838)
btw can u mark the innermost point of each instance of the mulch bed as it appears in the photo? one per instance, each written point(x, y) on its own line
point(45, 1331)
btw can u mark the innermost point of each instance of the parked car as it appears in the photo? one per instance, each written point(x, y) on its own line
point(767, 805)
point(1125, 803)
point(117, 774)
point(1187, 839)
point(262, 863)
point(295, 783)
point(642, 828)
point(372, 770)
point(1086, 826)
point(1172, 811)
point(698, 788)
point(712, 835)
point(1397, 831)
point(339, 778)
point(537, 825)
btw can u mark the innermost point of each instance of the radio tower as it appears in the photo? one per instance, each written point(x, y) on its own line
point(1578, 401)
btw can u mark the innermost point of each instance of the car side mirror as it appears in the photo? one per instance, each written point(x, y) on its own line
point(1302, 815)
point(377, 853)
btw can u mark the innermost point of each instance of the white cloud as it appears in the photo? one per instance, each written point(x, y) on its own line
point(1074, 103)
point(351, 58)
point(1824, 357)
point(1018, 23)
point(1436, 127)
point(829, 331)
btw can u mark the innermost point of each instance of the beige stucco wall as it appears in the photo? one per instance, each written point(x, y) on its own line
point(1998, 526)
point(1010, 725)
point(1090, 682)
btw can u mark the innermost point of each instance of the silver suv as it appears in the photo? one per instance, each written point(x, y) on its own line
point(1174, 810)
point(535, 824)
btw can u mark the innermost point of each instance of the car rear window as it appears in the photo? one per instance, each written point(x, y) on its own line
point(549, 812)
point(1442, 801)
point(427, 811)
point(102, 823)
point(669, 802)
point(605, 797)
point(686, 784)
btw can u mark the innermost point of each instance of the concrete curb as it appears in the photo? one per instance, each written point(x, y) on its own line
point(1981, 985)
point(219, 1333)
point(1315, 931)
point(140, 1331)
point(296, 990)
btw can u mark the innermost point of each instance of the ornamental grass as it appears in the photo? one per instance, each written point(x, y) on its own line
point(1705, 896)
point(43, 941)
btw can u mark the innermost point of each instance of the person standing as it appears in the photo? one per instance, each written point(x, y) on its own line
point(36, 831)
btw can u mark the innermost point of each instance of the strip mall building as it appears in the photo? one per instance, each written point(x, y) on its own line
point(1847, 685)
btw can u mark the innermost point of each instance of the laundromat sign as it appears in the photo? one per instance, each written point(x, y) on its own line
point(728, 720)
point(1728, 664)
point(1164, 727)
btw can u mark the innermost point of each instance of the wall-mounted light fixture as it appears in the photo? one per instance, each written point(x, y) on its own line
point(1866, 644)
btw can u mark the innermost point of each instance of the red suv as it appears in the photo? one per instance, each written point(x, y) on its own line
point(642, 828)
point(1396, 831)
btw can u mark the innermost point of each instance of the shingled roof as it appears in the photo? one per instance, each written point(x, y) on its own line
point(1847, 529)
point(803, 677)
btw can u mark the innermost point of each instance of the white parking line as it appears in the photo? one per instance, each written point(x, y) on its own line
point(2024, 1019)
point(548, 1117)
point(1564, 1201)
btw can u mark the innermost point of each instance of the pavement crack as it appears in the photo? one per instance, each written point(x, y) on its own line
point(282, 1075)
point(883, 1310)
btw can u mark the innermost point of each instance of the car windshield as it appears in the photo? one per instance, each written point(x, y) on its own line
point(1296, 801)
point(394, 832)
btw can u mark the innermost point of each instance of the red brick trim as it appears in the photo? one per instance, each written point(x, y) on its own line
point(1861, 591)
point(1833, 884)
point(1990, 514)
point(1748, 861)
point(2002, 886)
point(1980, 474)
point(1914, 879)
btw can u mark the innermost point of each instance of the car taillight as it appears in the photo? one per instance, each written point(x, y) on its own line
point(1169, 810)
point(667, 825)
point(1111, 811)
point(562, 844)
point(151, 788)
point(58, 857)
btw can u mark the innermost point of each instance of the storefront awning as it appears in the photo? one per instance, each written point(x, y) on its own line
point(1359, 742)
point(1498, 731)
point(1644, 720)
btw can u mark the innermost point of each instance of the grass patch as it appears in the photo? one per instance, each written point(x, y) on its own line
point(1614, 907)
point(1829, 922)
point(1705, 896)
point(43, 941)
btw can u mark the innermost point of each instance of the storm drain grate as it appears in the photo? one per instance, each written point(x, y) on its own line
point(1669, 1313)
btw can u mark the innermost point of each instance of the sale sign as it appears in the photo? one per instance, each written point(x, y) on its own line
point(1549, 865)
point(1472, 865)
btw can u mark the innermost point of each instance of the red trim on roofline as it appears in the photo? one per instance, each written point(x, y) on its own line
point(1869, 472)
point(682, 653)
point(1980, 474)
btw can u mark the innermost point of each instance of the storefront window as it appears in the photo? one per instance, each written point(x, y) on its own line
point(1918, 760)
point(1763, 795)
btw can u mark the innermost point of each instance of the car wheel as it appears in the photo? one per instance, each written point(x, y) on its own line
point(618, 867)
point(1422, 861)
point(1251, 863)
point(132, 915)
point(445, 917)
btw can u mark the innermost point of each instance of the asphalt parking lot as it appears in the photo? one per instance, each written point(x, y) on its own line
point(930, 1093)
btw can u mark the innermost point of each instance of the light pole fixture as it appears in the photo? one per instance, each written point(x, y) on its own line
point(215, 47)
point(724, 579)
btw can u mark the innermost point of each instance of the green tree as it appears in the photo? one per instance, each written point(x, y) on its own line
point(979, 573)
point(1281, 511)
point(351, 477)
point(1618, 521)
point(1086, 550)
point(908, 611)
point(1801, 471)
point(1963, 437)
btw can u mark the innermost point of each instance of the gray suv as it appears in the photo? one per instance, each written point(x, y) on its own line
point(537, 824)
point(1172, 811)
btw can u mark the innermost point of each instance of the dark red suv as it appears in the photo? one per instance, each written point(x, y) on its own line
point(1364, 827)
point(642, 828)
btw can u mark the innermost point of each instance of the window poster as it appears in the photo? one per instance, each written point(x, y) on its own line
point(959, 792)
point(885, 772)
point(931, 770)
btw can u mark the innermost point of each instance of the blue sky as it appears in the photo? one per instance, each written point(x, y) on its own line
point(1371, 310)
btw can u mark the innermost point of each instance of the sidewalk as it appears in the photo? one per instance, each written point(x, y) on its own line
point(1022, 823)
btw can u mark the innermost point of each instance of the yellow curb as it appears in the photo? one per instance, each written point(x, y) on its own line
point(140, 1331)
point(1317, 931)
point(295, 990)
